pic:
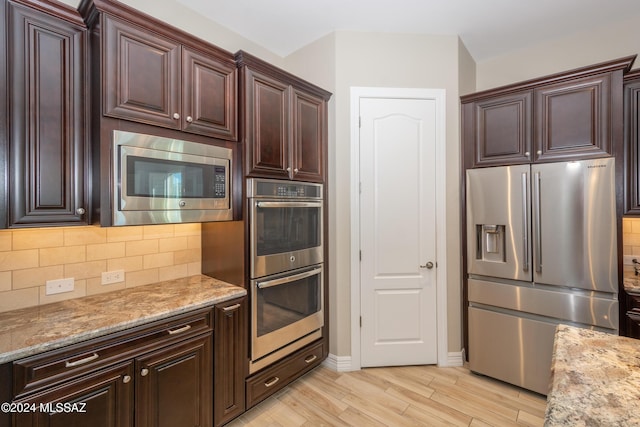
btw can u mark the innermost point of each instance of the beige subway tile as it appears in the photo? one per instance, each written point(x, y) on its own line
point(173, 244)
point(63, 255)
point(195, 242)
point(79, 290)
point(187, 256)
point(635, 225)
point(20, 298)
point(158, 231)
point(141, 247)
point(142, 277)
point(173, 272)
point(626, 225)
point(17, 260)
point(95, 286)
point(157, 260)
point(38, 238)
point(191, 229)
point(124, 234)
point(132, 263)
point(106, 251)
point(36, 276)
point(195, 268)
point(6, 283)
point(84, 236)
point(6, 237)
point(85, 270)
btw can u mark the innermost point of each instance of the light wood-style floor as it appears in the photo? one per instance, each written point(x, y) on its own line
point(397, 396)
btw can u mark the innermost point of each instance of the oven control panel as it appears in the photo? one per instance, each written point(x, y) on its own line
point(283, 189)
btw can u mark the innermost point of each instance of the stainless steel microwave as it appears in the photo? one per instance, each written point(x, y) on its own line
point(162, 180)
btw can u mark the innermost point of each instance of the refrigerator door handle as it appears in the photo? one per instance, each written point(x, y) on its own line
point(525, 223)
point(537, 240)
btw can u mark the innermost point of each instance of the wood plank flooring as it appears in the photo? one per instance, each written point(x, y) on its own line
point(397, 396)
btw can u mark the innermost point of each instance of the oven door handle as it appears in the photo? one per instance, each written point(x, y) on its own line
point(289, 204)
point(288, 279)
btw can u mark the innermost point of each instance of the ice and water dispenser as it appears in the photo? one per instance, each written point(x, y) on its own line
point(490, 240)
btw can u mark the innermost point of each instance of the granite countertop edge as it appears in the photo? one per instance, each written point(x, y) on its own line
point(225, 292)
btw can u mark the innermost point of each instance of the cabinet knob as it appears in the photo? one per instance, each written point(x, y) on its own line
point(526, 153)
point(189, 119)
point(176, 116)
point(144, 372)
point(126, 379)
point(296, 170)
point(289, 169)
point(539, 152)
point(80, 211)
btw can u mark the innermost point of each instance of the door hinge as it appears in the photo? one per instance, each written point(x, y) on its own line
point(360, 255)
point(361, 321)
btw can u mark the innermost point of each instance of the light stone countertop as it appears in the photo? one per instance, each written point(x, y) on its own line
point(631, 283)
point(595, 379)
point(33, 330)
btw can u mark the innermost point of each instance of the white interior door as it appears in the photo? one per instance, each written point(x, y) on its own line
point(398, 231)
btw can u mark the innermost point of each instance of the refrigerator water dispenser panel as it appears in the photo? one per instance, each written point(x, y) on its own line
point(491, 243)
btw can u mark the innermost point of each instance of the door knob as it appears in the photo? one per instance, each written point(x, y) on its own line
point(428, 265)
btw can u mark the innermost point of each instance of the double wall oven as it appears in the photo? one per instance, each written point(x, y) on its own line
point(286, 267)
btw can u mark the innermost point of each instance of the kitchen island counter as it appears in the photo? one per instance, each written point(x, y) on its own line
point(595, 379)
point(34, 330)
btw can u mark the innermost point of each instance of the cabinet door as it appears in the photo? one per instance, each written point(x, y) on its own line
point(573, 119)
point(230, 360)
point(309, 127)
point(267, 126)
point(141, 75)
point(47, 74)
point(174, 385)
point(209, 95)
point(502, 129)
point(102, 399)
point(632, 141)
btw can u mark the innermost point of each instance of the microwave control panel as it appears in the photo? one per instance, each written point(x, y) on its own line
point(219, 182)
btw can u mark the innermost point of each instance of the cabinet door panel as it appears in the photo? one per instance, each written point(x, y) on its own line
point(503, 130)
point(573, 119)
point(309, 118)
point(174, 385)
point(267, 126)
point(103, 399)
point(632, 141)
point(141, 75)
point(209, 96)
point(47, 119)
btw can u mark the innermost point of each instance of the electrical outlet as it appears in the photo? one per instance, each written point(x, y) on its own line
point(115, 276)
point(59, 286)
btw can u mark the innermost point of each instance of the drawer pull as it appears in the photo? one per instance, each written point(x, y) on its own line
point(144, 372)
point(126, 379)
point(271, 382)
point(311, 358)
point(231, 308)
point(79, 362)
point(179, 330)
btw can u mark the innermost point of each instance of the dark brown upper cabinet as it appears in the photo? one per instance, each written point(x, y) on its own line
point(285, 121)
point(566, 116)
point(154, 79)
point(632, 143)
point(46, 55)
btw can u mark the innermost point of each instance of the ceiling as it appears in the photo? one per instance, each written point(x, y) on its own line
point(487, 27)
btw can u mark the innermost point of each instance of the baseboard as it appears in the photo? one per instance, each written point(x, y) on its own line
point(338, 363)
point(455, 358)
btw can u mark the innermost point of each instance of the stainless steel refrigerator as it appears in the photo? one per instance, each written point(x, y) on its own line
point(541, 250)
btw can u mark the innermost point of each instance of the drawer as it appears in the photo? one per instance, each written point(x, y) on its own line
point(56, 366)
point(275, 377)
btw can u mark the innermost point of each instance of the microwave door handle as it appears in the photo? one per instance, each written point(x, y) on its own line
point(288, 204)
point(288, 279)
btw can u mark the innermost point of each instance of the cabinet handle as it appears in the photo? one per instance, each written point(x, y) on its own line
point(288, 169)
point(296, 170)
point(126, 379)
point(87, 359)
point(310, 359)
point(539, 152)
point(271, 382)
point(144, 372)
point(189, 119)
point(176, 116)
point(526, 153)
point(231, 308)
point(179, 330)
point(80, 211)
point(633, 316)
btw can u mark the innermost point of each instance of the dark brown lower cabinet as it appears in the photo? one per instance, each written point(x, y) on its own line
point(632, 317)
point(101, 399)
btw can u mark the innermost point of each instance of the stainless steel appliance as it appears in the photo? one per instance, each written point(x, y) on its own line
point(162, 180)
point(286, 268)
point(541, 251)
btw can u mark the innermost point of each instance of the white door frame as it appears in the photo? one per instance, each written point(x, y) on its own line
point(438, 95)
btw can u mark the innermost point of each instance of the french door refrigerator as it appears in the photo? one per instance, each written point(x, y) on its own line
point(541, 250)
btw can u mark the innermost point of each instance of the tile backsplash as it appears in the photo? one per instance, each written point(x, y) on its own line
point(631, 236)
point(147, 254)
